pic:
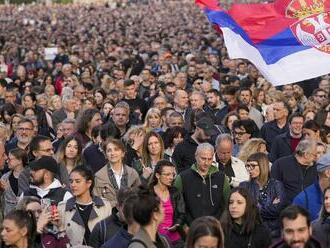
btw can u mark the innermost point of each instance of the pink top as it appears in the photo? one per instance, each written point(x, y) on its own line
point(168, 221)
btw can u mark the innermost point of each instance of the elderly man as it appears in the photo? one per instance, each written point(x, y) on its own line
point(205, 189)
point(233, 167)
point(297, 171)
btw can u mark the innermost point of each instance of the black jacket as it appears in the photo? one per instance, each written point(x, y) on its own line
point(294, 176)
point(259, 238)
point(184, 154)
point(105, 229)
point(178, 206)
point(269, 131)
point(281, 147)
point(321, 231)
point(312, 243)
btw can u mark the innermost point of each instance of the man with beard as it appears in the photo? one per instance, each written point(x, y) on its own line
point(215, 106)
point(23, 137)
point(183, 152)
point(296, 229)
point(43, 183)
point(204, 188)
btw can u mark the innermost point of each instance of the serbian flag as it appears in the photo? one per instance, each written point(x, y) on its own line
point(287, 40)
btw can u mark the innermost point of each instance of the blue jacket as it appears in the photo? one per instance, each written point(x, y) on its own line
point(269, 212)
point(281, 147)
point(269, 131)
point(311, 199)
point(120, 240)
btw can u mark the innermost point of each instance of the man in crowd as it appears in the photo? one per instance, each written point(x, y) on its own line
point(204, 188)
point(243, 131)
point(214, 105)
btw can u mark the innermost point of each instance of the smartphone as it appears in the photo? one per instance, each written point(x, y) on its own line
point(53, 208)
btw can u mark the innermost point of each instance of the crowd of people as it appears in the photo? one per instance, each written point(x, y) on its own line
point(139, 131)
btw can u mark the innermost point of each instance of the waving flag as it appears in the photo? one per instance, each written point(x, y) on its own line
point(288, 40)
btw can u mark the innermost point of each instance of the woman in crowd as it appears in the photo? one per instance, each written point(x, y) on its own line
point(15, 119)
point(311, 130)
point(54, 104)
point(149, 213)
point(69, 156)
point(321, 149)
point(321, 227)
point(229, 120)
point(267, 192)
point(252, 146)
point(84, 206)
point(19, 230)
point(6, 112)
point(134, 142)
point(114, 175)
point(172, 137)
point(152, 152)
point(99, 96)
point(172, 202)
point(106, 109)
point(17, 160)
point(205, 232)
point(153, 120)
point(241, 222)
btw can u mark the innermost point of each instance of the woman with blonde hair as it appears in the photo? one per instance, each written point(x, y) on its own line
point(250, 147)
point(134, 142)
point(54, 103)
point(268, 193)
point(153, 120)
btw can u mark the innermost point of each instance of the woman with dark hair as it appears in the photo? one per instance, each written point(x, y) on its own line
point(172, 201)
point(69, 156)
point(325, 134)
point(115, 174)
point(172, 137)
point(229, 120)
point(106, 110)
point(152, 152)
point(311, 130)
point(17, 160)
point(6, 112)
point(99, 96)
point(205, 231)
point(86, 207)
point(241, 222)
point(268, 193)
point(322, 117)
point(19, 230)
point(148, 212)
point(321, 226)
point(86, 121)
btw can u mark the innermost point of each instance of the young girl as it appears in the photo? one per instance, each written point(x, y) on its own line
point(241, 222)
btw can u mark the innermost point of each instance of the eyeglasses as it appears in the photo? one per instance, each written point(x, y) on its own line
point(323, 96)
point(251, 166)
point(239, 133)
point(24, 129)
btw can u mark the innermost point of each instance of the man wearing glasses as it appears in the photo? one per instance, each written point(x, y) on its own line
point(243, 131)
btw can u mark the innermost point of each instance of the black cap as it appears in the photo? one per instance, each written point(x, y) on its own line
point(45, 162)
point(207, 124)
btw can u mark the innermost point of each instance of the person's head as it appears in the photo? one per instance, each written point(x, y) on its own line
point(281, 110)
point(10, 95)
point(175, 119)
point(325, 210)
point(153, 145)
point(126, 211)
point(181, 99)
point(223, 147)
point(3, 155)
point(205, 232)
point(311, 130)
point(114, 151)
point(30, 203)
point(243, 130)
point(81, 181)
point(243, 112)
point(15, 119)
point(240, 209)
point(173, 136)
point(29, 112)
point(229, 120)
point(160, 102)
point(306, 152)
point(321, 149)
point(148, 209)
point(99, 96)
point(296, 122)
point(258, 167)
point(164, 173)
point(41, 146)
point(204, 129)
point(320, 96)
point(325, 134)
point(197, 100)
point(252, 146)
point(245, 96)
point(69, 150)
point(25, 131)
point(29, 100)
point(120, 115)
point(19, 228)
point(296, 226)
point(213, 98)
point(153, 118)
point(204, 157)
point(68, 126)
point(6, 112)
point(17, 157)
point(89, 119)
point(43, 171)
point(129, 89)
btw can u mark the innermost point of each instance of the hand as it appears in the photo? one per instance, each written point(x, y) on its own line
point(55, 218)
point(44, 218)
point(4, 184)
point(147, 171)
point(276, 201)
point(173, 228)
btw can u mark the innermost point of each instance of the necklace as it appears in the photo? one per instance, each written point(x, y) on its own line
point(83, 207)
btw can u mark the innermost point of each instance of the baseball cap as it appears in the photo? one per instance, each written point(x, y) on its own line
point(207, 125)
point(323, 163)
point(45, 162)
